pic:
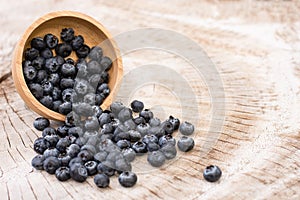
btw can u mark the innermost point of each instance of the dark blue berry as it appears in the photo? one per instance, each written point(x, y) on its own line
point(185, 144)
point(139, 147)
point(63, 174)
point(52, 65)
point(122, 165)
point(150, 138)
point(65, 108)
point(30, 73)
point(156, 158)
point(54, 78)
point(101, 88)
point(48, 131)
point(106, 167)
point(74, 161)
point(31, 54)
point(38, 43)
point(38, 162)
point(96, 53)
point(52, 140)
point(77, 42)
point(67, 83)
point(89, 98)
point(125, 114)
point(91, 167)
point(143, 128)
point(85, 155)
point(51, 40)
point(101, 180)
point(67, 34)
point(100, 156)
point(122, 144)
point(70, 61)
point(91, 124)
point(38, 63)
point(51, 164)
point(212, 173)
point(127, 179)
point(68, 70)
point(83, 109)
point(151, 146)
point(81, 87)
point(41, 123)
point(104, 118)
point(94, 67)
point(166, 139)
point(62, 130)
point(154, 122)
point(167, 127)
point(51, 152)
point(129, 154)
point(64, 159)
point(76, 131)
point(157, 131)
point(46, 53)
point(47, 88)
point(106, 63)
point(67, 94)
point(56, 94)
point(169, 150)
point(72, 119)
point(41, 76)
point(78, 172)
point(134, 136)
point(146, 114)
point(63, 50)
point(139, 120)
point(40, 145)
point(47, 101)
point(62, 144)
point(137, 106)
point(175, 122)
point(186, 128)
point(83, 51)
point(73, 150)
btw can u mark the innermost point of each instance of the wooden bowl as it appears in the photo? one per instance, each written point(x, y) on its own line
point(94, 34)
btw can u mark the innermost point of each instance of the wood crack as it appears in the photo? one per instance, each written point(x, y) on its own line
point(5, 76)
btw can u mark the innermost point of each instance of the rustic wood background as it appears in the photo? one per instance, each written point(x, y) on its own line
point(256, 48)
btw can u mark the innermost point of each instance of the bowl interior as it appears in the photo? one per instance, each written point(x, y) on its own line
point(94, 35)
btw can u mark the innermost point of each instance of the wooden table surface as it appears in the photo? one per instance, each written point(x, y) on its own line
point(255, 47)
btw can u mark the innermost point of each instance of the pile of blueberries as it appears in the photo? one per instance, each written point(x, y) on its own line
point(59, 82)
point(105, 142)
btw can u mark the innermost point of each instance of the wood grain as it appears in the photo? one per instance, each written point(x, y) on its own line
point(255, 46)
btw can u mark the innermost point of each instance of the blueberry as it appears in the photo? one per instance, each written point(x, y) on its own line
point(30, 73)
point(156, 158)
point(174, 121)
point(78, 172)
point(106, 167)
point(186, 128)
point(81, 87)
point(64, 159)
point(143, 128)
point(137, 106)
point(52, 65)
point(65, 108)
point(85, 155)
point(122, 144)
point(114, 155)
point(116, 107)
point(62, 130)
point(122, 165)
point(54, 78)
point(47, 88)
point(67, 34)
point(77, 42)
point(134, 136)
point(73, 150)
point(151, 146)
point(38, 43)
point(139, 120)
point(91, 167)
point(96, 53)
point(41, 123)
point(51, 164)
point(83, 51)
point(101, 88)
point(62, 144)
point(157, 131)
point(100, 156)
point(37, 162)
point(40, 145)
point(62, 173)
point(130, 124)
point(47, 101)
point(38, 63)
point(67, 94)
point(139, 147)
point(106, 63)
point(101, 180)
point(212, 173)
point(129, 154)
point(167, 127)
point(91, 124)
point(154, 122)
point(94, 79)
point(26, 63)
point(104, 77)
point(80, 141)
point(70, 61)
point(107, 129)
point(185, 144)
point(89, 147)
point(72, 119)
point(52, 140)
point(46, 53)
point(150, 138)
point(74, 161)
point(75, 131)
point(127, 179)
point(63, 50)
point(121, 136)
point(89, 98)
point(94, 67)
point(56, 94)
point(82, 71)
point(166, 139)
point(48, 131)
point(169, 151)
point(83, 109)
point(31, 54)
point(146, 114)
point(51, 40)
point(104, 118)
point(67, 83)
point(68, 70)
point(97, 111)
point(41, 76)
point(51, 152)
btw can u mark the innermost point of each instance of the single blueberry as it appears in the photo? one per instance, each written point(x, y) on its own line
point(212, 173)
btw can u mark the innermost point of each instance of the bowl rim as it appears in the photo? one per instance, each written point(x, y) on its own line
point(17, 71)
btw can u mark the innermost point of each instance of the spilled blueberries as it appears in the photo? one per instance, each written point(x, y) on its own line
point(103, 143)
point(59, 82)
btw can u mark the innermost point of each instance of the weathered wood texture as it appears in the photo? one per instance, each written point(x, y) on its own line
point(255, 46)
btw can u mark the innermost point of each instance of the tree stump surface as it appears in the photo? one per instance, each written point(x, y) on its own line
point(254, 45)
